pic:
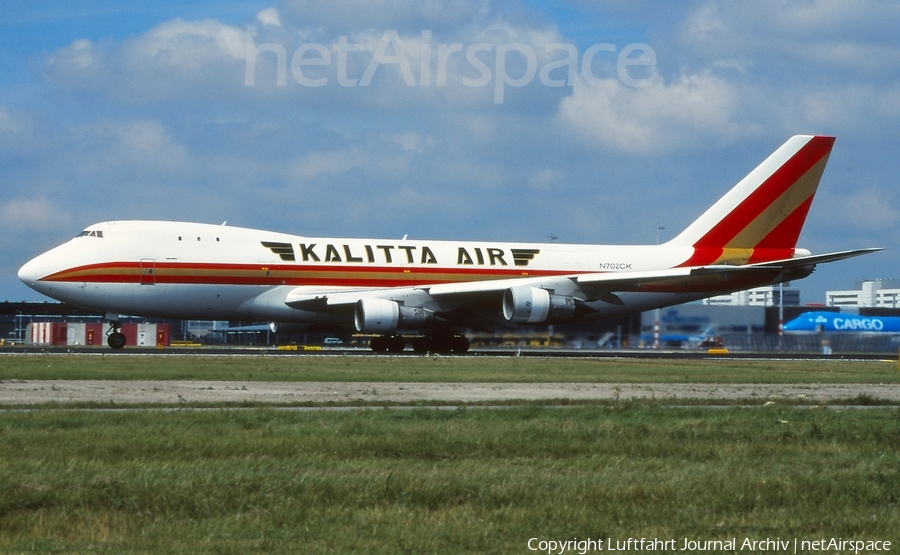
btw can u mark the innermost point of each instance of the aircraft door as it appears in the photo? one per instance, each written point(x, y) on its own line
point(148, 271)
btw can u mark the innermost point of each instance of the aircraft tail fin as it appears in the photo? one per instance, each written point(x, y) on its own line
point(760, 218)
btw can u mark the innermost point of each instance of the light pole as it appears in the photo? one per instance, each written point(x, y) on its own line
point(20, 334)
point(781, 316)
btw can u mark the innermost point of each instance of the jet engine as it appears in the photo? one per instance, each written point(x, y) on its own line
point(385, 316)
point(531, 304)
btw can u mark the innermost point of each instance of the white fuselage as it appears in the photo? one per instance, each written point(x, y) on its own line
point(201, 271)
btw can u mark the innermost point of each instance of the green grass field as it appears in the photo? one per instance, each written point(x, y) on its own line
point(441, 481)
point(417, 481)
point(439, 369)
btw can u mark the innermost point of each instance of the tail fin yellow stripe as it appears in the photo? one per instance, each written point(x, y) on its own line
point(766, 210)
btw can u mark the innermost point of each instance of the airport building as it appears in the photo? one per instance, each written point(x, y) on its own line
point(878, 293)
point(75, 334)
point(761, 296)
point(58, 324)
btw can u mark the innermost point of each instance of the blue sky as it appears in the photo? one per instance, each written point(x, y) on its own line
point(114, 111)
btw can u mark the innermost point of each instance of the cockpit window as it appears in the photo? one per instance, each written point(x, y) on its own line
point(87, 233)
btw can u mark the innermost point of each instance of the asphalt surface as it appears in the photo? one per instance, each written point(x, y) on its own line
point(680, 354)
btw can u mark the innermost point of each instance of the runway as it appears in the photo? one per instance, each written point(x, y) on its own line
point(500, 352)
point(169, 393)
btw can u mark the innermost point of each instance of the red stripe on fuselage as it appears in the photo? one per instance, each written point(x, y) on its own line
point(343, 275)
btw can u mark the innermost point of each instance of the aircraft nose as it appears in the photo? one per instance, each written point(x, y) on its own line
point(31, 272)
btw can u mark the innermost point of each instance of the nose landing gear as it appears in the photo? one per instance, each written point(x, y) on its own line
point(114, 338)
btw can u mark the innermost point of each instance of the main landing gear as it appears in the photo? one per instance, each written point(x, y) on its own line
point(115, 338)
point(388, 343)
point(437, 343)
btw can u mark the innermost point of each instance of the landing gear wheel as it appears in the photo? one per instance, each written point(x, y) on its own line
point(442, 343)
point(459, 344)
point(379, 344)
point(421, 344)
point(438, 343)
point(116, 340)
point(396, 344)
point(388, 343)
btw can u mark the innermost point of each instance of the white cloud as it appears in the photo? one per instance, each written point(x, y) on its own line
point(869, 58)
point(179, 60)
point(867, 209)
point(81, 54)
point(818, 16)
point(141, 144)
point(378, 161)
point(183, 44)
point(22, 133)
point(662, 117)
point(349, 16)
point(821, 66)
point(11, 127)
point(269, 16)
point(846, 108)
point(844, 32)
point(546, 179)
point(78, 65)
point(413, 141)
point(148, 141)
point(22, 216)
point(171, 60)
point(314, 164)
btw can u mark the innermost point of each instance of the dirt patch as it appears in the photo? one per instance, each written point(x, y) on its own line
point(26, 392)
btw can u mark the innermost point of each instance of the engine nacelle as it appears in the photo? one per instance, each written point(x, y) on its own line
point(376, 315)
point(532, 305)
point(561, 308)
point(384, 316)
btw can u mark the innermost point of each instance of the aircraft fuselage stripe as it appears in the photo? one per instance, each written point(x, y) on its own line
point(276, 274)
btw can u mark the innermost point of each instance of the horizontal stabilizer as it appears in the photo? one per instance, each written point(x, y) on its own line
point(681, 278)
point(801, 261)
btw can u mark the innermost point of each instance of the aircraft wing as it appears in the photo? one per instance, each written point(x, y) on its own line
point(656, 280)
point(678, 278)
point(585, 286)
point(316, 299)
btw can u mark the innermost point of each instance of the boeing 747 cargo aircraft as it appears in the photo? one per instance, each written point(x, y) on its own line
point(433, 291)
